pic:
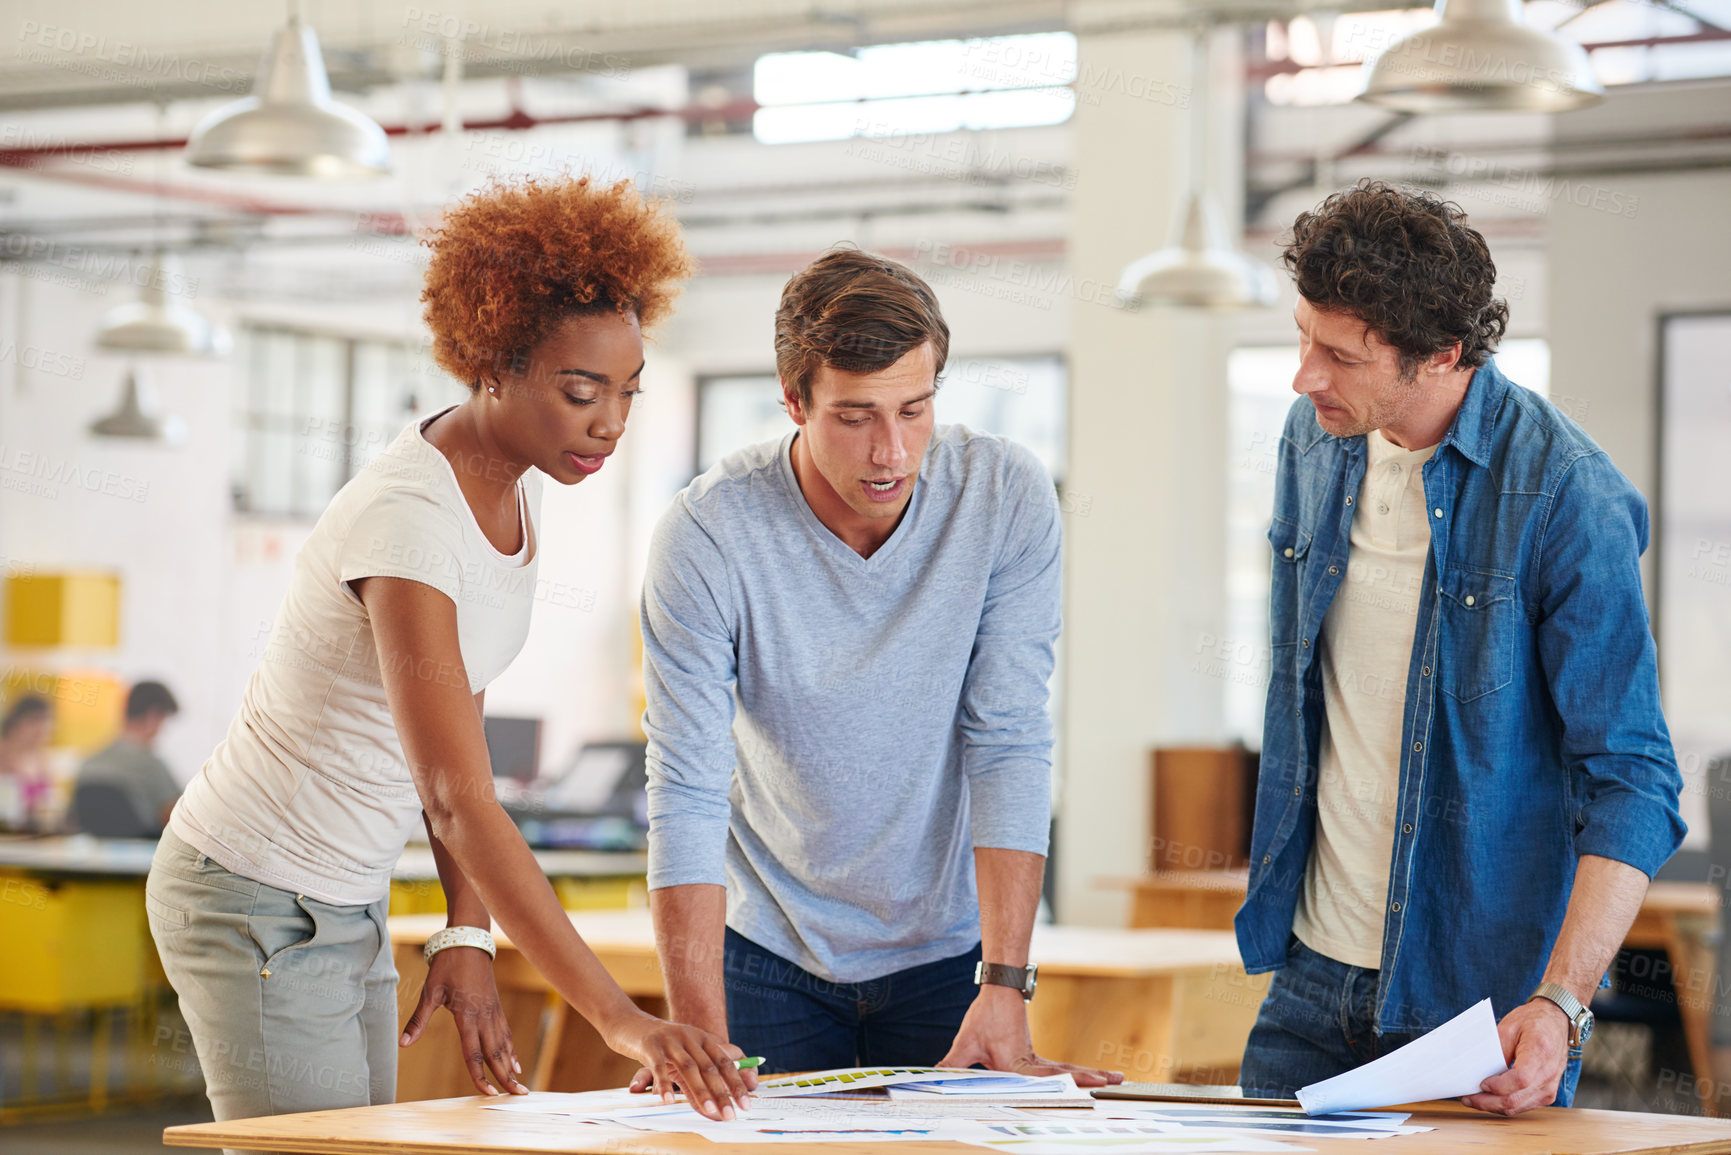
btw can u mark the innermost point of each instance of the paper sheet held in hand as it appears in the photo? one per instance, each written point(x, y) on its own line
point(1448, 1062)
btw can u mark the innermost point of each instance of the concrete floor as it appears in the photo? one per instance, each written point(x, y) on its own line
point(116, 1133)
point(60, 1052)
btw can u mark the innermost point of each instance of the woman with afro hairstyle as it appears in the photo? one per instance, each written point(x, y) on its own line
point(268, 893)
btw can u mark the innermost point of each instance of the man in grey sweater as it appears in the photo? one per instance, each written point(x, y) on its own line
point(848, 636)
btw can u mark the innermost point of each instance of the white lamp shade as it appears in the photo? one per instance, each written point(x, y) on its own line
point(290, 125)
point(136, 417)
point(155, 323)
point(1481, 57)
point(1200, 270)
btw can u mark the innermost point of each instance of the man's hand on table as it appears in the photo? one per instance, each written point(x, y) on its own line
point(1535, 1038)
point(995, 1034)
point(461, 978)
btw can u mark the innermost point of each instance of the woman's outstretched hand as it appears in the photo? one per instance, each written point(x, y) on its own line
point(678, 1058)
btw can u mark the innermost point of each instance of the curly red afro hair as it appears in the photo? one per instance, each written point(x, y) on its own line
point(513, 260)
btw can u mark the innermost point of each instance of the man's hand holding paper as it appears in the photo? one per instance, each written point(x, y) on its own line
point(1535, 1038)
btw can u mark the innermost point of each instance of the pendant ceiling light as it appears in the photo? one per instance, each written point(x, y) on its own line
point(157, 323)
point(1481, 57)
point(290, 126)
point(1200, 269)
point(136, 417)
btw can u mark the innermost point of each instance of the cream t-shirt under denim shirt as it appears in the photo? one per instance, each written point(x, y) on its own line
point(310, 791)
point(1367, 638)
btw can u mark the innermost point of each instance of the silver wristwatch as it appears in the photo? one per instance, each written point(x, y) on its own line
point(1580, 1018)
point(1004, 975)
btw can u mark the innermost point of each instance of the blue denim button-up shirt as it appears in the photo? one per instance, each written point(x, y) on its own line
point(1532, 730)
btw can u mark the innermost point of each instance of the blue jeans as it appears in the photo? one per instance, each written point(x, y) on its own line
point(1316, 1022)
point(800, 1022)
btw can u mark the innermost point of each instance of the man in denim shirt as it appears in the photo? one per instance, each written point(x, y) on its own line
point(1466, 779)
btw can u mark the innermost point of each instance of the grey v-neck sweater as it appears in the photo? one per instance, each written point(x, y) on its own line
point(830, 735)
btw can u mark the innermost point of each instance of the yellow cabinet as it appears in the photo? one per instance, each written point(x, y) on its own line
point(63, 609)
point(71, 944)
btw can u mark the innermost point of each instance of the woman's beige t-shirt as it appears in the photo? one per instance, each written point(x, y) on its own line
point(310, 791)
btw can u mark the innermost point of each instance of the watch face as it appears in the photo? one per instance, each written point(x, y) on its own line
point(1585, 1025)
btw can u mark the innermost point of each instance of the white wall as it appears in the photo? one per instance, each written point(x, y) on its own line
point(161, 525)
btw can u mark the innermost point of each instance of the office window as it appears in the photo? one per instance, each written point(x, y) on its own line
point(733, 412)
point(1692, 551)
point(932, 86)
point(312, 409)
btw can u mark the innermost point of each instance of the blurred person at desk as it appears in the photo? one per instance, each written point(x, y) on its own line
point(124, 790)
point(853, 879)
point(1466, 779)
point(268, 894)
point(25, 783)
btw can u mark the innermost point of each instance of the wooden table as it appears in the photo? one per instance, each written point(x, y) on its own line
point(1675, 918)
point(84, 854)
point(1159, 1005)
point(582, 878)
point(447, 1125)
point(71, 855)
point(1206, 899)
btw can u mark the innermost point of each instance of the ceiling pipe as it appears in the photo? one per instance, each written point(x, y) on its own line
point(518, 120)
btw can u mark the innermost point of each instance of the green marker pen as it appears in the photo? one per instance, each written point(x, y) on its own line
point(750, 1061)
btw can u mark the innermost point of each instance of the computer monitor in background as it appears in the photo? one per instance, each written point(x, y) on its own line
point(604, 778)
point(514, 746)
point(598, 802)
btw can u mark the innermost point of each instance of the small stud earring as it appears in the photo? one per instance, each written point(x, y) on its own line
point(493, 389)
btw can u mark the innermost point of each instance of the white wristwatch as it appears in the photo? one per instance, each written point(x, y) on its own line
point(1580, 1018)
point(451, 936)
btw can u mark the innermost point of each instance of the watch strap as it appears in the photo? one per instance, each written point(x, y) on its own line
point(475, 936)
point(1568, 1003)
point(1005, 975)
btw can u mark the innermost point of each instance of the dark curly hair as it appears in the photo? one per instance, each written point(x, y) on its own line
point(513, 260)
point(1405, 263)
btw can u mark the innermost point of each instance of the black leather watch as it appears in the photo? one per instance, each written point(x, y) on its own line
point(1004, 975)
point(1580, 1018)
